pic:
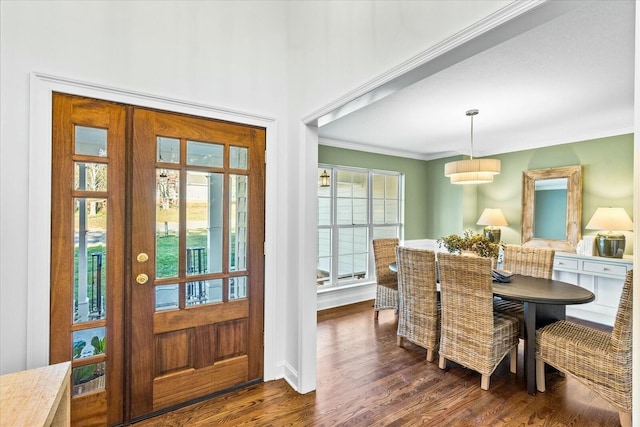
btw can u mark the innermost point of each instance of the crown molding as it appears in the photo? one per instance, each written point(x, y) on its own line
point(468, 42)
point(377, 150)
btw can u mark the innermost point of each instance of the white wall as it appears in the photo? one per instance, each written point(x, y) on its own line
point(282, 60)
point(230, 55)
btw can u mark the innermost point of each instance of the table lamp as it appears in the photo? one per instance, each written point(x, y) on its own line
point(610, 242)
point(493, 219)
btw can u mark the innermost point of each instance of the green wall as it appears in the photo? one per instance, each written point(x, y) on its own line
point(607, 180)
point(415, 174)
point(436, 208)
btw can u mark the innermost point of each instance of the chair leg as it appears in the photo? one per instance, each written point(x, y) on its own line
point(430, 355)
point(399, 341)
point(540, 380)
point(484, 383)
point(443, 363)
point(513, 363)
point(375, 314)
point(625, 419)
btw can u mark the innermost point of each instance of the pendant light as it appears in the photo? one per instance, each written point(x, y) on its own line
point(472, 171)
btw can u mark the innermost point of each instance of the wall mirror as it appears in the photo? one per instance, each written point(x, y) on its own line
point(552, 208)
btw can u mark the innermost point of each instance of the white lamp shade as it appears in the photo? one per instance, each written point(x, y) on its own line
point(615, 219)
point(493, 217)
point(472, 171)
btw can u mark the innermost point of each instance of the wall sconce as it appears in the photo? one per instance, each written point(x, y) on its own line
point(325, 179)
point(610, 242)
point(493, 219)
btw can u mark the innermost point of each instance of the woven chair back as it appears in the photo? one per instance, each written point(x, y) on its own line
point(466, 295)
point(622, 328)
point(529, 261)
point(384, 253)
point(418, 317)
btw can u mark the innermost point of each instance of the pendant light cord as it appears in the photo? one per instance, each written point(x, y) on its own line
point(471, 113)
point(472, 137)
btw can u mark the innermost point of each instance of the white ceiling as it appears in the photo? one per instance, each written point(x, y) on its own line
point(565, 80)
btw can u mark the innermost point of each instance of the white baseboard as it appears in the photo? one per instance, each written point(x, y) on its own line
point(290, 375)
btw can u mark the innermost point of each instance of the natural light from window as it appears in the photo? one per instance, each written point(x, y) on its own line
point(354, 207)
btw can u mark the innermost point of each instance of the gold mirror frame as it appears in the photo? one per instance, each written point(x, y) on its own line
point(574, 207)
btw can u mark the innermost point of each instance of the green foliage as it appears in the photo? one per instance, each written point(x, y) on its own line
point(83, 373)
point(470, 241)
point(77, 348)
point(98, 344)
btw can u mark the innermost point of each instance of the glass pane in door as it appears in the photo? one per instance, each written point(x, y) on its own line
point(238, 157)
point(90, 141)
point(237, 287)
point(167, 222)
point(205, 154)
point(167, 150)
point(203, 292)
point(90, 176)
point(167, 297)
point(90, 261)
point(88, 378)
point(204, 222)
point(89, 342)
point(238, 222)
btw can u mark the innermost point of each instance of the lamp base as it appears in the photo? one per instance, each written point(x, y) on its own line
point(492, 233)
point(610, 245)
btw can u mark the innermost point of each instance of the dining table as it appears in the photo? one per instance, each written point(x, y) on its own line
point(544, 302)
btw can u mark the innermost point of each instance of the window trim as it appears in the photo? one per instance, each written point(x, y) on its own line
point(333, 282)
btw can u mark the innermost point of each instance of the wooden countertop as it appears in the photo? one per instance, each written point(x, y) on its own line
point(36, 397)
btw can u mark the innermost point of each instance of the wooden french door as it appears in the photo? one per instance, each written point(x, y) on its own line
point(198, 187)
point(157, 257)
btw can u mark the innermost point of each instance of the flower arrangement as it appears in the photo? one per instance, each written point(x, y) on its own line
point(470, 242)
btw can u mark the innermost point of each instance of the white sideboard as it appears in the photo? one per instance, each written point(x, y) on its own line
point(602, 276)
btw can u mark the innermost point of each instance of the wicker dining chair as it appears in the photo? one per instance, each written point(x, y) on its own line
point(418, 306)
point(598, 359)
point(472, 334)
point(527, 261)
point(384, 253)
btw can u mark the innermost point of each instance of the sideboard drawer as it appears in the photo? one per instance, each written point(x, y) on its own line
point(565, 264)
point(604, 268)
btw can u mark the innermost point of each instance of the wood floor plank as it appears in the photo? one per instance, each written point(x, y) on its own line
point(365, 379)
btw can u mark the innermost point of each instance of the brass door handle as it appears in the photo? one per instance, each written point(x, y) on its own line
point(142, 278)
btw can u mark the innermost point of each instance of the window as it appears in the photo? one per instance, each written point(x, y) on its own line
point(355, 207)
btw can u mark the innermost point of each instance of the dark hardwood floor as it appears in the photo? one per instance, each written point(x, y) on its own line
point(364, 379)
